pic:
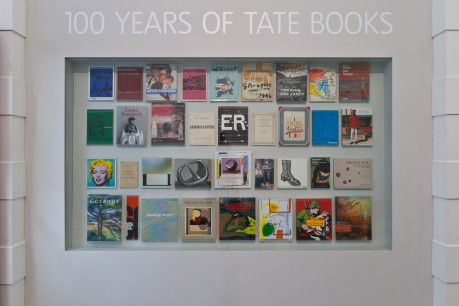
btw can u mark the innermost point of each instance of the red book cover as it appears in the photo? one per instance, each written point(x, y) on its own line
point(129, 84)
point(314, 219)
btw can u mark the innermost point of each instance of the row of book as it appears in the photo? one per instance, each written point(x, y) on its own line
point(232, 169)
point(165, 124)
point(287, 82)
point(239, 218)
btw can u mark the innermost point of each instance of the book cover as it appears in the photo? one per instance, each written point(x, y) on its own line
point(129, 174)
point(101, 83)
point(129, 84)
point(224, 82)
point(233, 125)
point(275, 215)
point(232, 169)
point(291, 82)
point(356, 127)
point(294, 126)
point(353, 218)
point(352, 173)
point(292, 173)
point(161, 82)
point(132, 217)
point(201, 129)
point(263, 129)
point(354, 82)
point(159, 220)
point(156, 172)
point(101, 173)
point(104, 217)
point(320, 172)
point(167, 123)
point(322, 83)
point(131, 125)
point(237, 219)
point(314, 219)
point(325, 128)
point(264, 173)
point(99, 129)
point(194, 84)
point(193, 173)
point(198, 219)
point(257, 82)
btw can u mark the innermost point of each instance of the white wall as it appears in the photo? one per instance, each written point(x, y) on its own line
point(401, 276)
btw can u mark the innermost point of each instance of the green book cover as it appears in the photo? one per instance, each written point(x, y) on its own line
point(100, 126)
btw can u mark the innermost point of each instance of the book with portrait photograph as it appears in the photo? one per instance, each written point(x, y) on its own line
point(291, 82)
point(294, 126)
point(354, 82)
point(257, 82)
point(292, 173)
point(167, 123)
point(129, 84)
point(264, 173)
point(224, 82)
point(353, 218)
point(101, 173)
point(233, 125)
point(232, 169)
point(275, 215)
point(161, 82)
point(132, 217)
point(156, 172)
point(159, 220)
point(356, 127)
point(320, 172)
point(198, 215)
point(201, 129)
point(99, 127)
point(237, 218)
point(100, 83)
point(322, 83)
point(314, 219)
point(325, 128)
point(131, 125)
point(104, 217)
point(194, 84)
point(193, 173)
point(352, 173)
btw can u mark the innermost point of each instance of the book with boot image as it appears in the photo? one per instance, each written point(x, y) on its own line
point(292, 173)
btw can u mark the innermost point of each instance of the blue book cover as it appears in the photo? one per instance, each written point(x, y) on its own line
point(159, 220)
point(224, 82)
point(101, 83)
point(325, 128)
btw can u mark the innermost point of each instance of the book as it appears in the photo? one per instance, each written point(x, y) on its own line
point(156, 172)
point(263, 129)
point(237, 219)
point(264, 173)
point(356, 127)
point(129, 83)
point(257, 82)
point(224, 82)
point(292, 173)
point(201, 129)
point(291, 82)
point(167, 123)
point(132, 217)
point(194, 84)
point(233, 125)
point(314, 219)
point(325, 128)
point(353, 218)
point(320, 172)
point(161, 82)
point(354, 82)
point(322, 83)
point(193, 173)
point(131, 125)
point(352, 173)
point(275, 215)
point(294, 126)
point(198, 219)
point(101, 83)
point(99, 123)
point(101, 173)
point(104, 217)
point(232, 169)
point(159, 220)
point(129, 174)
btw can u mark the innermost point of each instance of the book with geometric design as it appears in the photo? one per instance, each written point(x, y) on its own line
point(159, 220)
point(275, 215)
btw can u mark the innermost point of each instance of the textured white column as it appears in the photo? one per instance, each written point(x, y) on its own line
point(445, 169)
point(12, 152)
